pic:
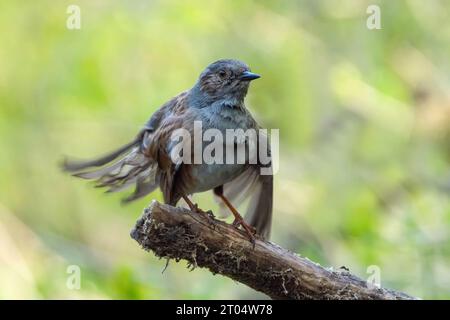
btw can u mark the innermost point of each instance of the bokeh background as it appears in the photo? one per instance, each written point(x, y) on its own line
point(364, 119)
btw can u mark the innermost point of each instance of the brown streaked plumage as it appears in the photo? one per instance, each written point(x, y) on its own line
point(217, 101)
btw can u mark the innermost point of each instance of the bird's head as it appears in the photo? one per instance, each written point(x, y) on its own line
point(226, 79)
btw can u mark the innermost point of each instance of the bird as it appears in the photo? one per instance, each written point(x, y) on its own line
point(217, 101)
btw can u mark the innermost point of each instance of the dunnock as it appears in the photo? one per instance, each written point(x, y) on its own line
point(217, 102)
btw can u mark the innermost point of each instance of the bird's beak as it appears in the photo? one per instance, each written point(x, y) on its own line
point(249, 76)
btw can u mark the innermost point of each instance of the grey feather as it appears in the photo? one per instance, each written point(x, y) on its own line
point(259, 189)
point(237, 190)
point(75, 165)
point(132, 168)
point(142, 189)
point(259, 213)
point(100, 172)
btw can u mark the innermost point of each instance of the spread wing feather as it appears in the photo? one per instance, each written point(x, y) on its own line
point(251, 185)
point(143, 162)
point(258, 190)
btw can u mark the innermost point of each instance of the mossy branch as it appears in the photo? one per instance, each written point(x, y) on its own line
point(177, 233)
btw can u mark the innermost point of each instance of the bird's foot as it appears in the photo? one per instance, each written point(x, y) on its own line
point(250, 230)
point(194, 207)
point(208, 213)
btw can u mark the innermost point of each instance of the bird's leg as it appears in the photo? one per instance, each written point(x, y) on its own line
point(194, 207)
point(238, 220)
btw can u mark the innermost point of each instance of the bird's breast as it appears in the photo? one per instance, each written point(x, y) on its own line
point(221, 161)
point(209, 176)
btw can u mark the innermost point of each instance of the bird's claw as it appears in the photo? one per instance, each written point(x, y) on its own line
point(195, 208)
point(209, 214)
point(211, 218)
point(250, 230)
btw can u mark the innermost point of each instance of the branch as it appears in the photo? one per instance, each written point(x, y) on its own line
point(177, 233)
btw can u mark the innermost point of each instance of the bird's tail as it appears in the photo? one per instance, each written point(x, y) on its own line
point(119, 170)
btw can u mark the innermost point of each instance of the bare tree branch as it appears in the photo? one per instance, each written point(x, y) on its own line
point(177, 233)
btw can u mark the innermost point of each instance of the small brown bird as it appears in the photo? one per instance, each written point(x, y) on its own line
point(217, 102)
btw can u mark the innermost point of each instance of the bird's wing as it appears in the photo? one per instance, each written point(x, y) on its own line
point(258, 189)
point(173, 177)
point(259, 212)
point(139, 162)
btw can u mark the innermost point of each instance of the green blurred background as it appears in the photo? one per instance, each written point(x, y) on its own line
point(364, 119)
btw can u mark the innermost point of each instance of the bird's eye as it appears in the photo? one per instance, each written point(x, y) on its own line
point(222, 73)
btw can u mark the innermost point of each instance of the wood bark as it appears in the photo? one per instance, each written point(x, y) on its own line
point(203, 241)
